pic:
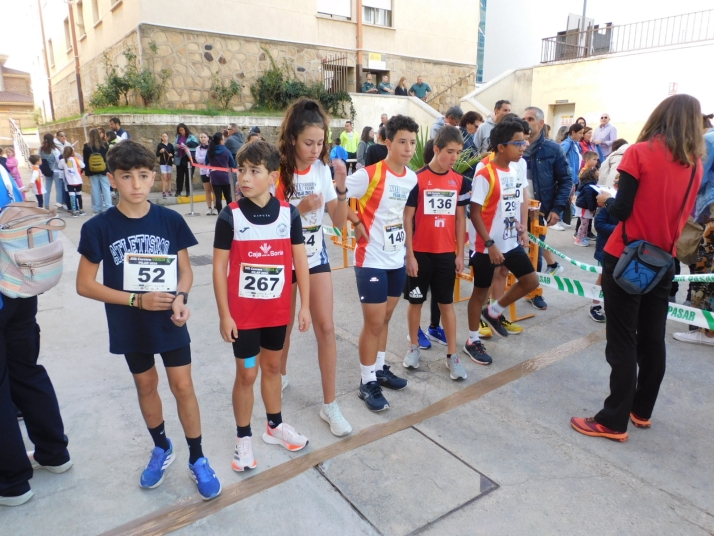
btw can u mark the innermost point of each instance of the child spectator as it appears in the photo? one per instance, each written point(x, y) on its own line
point(254, 299)
point(586, 204)
point(590, 160)
point(338, 152)
point(146, 307)
point(11, 166)
point(205, 174)
point(165, 153)
point(37, 182)
point(72, 168)
point(605, 224)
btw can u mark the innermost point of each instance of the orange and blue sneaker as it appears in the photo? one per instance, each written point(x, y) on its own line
point(639, 421)
point(590, 427)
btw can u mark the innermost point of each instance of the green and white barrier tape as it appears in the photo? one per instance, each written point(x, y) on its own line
point(676, 312)
point(693, 278)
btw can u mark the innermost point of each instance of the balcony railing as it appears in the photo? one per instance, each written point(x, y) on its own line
point(675, 30)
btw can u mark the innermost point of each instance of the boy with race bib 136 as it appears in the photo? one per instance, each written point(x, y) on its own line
point(146, 279)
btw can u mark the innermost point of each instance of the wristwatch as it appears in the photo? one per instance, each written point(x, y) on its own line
point(185, 296)
point(489, 243)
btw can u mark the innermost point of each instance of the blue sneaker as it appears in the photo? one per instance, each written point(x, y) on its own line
point(436, 334)
point(424, 343)
point(154, 473)
point(539, 303)
point(205, 478)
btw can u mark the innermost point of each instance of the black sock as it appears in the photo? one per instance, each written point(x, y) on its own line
point(194, 449)
point(159, 436)
point(275, 419)
point(432, 326)
point(553, 265)
point(244, 431)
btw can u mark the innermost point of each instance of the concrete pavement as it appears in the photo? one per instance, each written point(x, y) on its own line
point(505, 463)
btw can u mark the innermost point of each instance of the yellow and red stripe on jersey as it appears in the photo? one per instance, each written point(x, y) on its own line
point(490, 204)
point(369, 203)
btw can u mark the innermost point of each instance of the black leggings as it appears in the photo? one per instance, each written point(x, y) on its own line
point(182, 175)
point(224, 189)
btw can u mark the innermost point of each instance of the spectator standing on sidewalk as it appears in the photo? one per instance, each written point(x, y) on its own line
point(452, 117)
point(350, 141)
point(551, 182)
point(660, 176)
point(219, 156)
point(32, 392)
point(481, 138)
point(115, 125)
point(234, 141)
point(184, 146)
point(94, 154)
point(365, 142)
point(50, 155)
point(604, 136)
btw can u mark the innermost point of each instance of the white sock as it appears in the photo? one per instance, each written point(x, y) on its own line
point(473, 336)
point(368, 373)
point(496, 309)
point(379, 364)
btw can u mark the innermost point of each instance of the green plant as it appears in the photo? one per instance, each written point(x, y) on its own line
point(417, 161)
point(276, 88)
point(467, 160)
point(224, 93)
point(37, 116)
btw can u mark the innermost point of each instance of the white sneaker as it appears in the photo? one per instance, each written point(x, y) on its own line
point(285, 436)
point(411, 360)
point(243, 456)
point(283, 382)
point(210, 212)
point(457, 370)
point(694, 337)
point(16, 501)
point(331, 414)
point(57, 469)
point(557, 227)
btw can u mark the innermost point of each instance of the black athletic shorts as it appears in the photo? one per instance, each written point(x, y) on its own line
point(250, 341)
point(516, 260)
point(437, 271)
point(140, 362)
point(319, 269)
point(205, 179)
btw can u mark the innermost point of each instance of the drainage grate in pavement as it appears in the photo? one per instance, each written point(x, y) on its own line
point(201, 260)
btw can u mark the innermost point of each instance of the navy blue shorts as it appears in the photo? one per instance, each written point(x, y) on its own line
point(375, 285)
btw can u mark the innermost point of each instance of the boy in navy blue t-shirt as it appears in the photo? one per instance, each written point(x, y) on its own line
point(147, 277)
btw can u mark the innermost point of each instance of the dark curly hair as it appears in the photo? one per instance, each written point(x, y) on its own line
point(400, 122)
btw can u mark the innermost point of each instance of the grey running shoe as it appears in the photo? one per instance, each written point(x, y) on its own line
point(458, 372)
point(411, 360)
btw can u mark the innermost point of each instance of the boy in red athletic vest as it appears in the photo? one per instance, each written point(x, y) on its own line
point(257, 243)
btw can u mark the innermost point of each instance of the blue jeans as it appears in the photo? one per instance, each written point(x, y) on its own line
point(49, 181)
point(100, 189)
point(59, 187)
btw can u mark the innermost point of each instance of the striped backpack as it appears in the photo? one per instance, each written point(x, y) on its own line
point(30, 250)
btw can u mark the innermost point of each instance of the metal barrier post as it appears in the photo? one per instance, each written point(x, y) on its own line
point(190, 189)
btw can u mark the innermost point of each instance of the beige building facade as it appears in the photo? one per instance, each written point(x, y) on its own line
point(16, 101)
point(236, 39)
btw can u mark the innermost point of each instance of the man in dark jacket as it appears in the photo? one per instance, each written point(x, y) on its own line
point(551, 179)
point(234, 141)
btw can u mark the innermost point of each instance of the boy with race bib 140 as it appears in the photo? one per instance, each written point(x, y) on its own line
point(381, 190)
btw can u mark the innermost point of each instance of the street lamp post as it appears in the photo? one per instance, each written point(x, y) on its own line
point(72, 31)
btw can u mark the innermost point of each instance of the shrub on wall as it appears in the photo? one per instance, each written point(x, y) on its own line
point(133, 79)
point(275, 89)
point(224, 93)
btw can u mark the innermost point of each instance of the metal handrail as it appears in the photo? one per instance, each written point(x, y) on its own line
point(19, 141)
point(675, 30)
point(432, 97)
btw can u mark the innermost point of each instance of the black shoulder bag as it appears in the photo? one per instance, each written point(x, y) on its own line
point(642, 264)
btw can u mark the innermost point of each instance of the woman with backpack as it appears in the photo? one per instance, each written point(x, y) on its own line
point(49, 167)
point(95, 156)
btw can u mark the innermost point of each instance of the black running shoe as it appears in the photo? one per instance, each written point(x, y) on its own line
point(372, 396)
point(477, 352)
point(389, 380)
point(495, 322)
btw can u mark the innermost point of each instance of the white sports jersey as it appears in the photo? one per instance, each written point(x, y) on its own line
point(317, 179)
point(521, 169)
point(381, 196)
